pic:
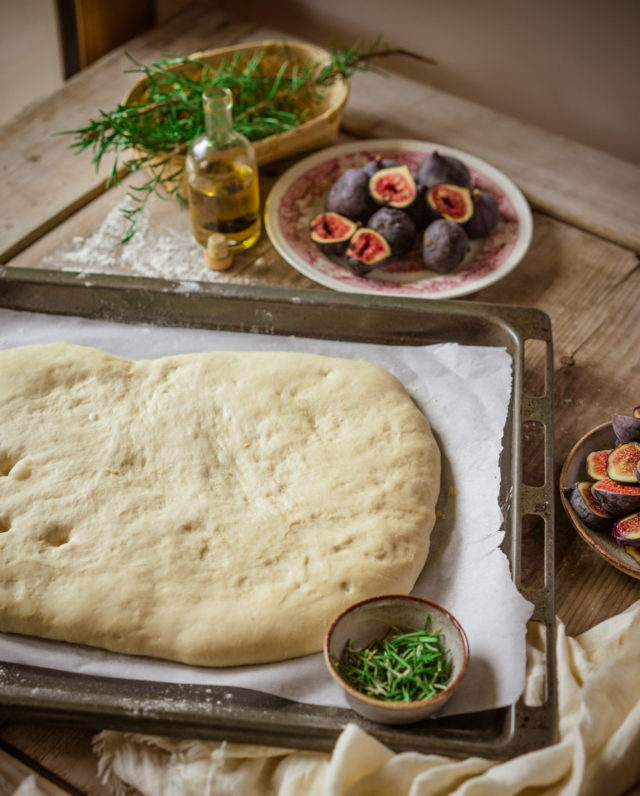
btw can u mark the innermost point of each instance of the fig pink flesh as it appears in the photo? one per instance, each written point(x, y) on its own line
point(452, 202)
point(627, 529)
point(616, 498)
point(597, 464)
point(623, 461)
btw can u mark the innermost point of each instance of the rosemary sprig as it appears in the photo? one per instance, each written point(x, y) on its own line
point(403, 667)
point(169, 115)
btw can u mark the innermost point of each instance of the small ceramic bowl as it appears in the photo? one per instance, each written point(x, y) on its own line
point(372, 619)
point(575, 469)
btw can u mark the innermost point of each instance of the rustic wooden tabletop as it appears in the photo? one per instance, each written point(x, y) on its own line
point(581, 269)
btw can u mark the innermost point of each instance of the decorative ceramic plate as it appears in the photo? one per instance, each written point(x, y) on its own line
point(300, 192)
point(574, 469)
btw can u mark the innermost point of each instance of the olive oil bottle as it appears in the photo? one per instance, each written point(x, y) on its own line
point(222, 178)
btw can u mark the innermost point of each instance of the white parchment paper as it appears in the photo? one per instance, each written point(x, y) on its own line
point(465, 392)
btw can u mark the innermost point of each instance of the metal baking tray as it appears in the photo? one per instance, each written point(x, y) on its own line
point(39, 694)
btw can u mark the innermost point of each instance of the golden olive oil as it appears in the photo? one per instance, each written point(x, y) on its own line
point(225, 198)
point(222, 178)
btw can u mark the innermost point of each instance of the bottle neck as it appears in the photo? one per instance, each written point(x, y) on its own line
point(217, 104)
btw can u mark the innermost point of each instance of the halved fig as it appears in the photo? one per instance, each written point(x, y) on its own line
point(438, 169)
point(486, 213)
point(349, 196)
point(627, 427)
point(597, 464)
point(616, 498)
point(396, 227)
point(332, 232)
point(623, 462)
point(367, 250)
point(586, 508)
point(394, 187)
point(626, 530)
point(452, 202)
point(633, 551)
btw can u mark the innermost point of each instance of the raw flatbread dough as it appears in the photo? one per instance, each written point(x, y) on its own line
point(216, 509)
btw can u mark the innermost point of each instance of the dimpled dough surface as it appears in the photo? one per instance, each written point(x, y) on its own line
point(216, 509)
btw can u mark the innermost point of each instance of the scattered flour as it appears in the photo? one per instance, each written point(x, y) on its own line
point(166, 254)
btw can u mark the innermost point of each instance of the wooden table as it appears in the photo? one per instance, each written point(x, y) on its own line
point(582, 269)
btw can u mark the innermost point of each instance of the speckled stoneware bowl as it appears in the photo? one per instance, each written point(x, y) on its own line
point(575, 469)
point(370, 619)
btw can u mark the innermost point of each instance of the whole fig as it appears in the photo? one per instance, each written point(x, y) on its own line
point(444, 246)
point(396, 228)
point(438, 169)
point(421, 212)
point(486, 213)
point(349, 196)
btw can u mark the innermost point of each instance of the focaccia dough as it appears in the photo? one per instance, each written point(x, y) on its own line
point(216, 509)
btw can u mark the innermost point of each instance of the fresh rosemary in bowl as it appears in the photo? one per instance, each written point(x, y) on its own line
point(272, 96)
point(404, 667)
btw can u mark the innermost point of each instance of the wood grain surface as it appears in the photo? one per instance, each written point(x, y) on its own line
point(582, 269)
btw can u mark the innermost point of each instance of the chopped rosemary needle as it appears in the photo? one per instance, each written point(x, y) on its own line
point(402, 667)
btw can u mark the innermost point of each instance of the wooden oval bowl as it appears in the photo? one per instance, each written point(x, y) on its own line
point(323, 120)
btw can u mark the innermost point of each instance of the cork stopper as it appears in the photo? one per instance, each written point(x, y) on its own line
point(217, 256)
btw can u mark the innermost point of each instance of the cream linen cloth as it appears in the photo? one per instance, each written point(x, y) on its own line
point(597, 750)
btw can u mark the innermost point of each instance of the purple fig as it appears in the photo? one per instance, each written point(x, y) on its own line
point(627, 427)
point(396, 227)
point(378, 163)
point(438, 169)
point(586, 508)
point(451, 201)
point(486, 213)
point(367, 250)
point(394, 187)
point(627, 530)
point(623, 462)
point(616, 498)
point(421, 212)
point(444, 246)
point(349, 196)
point(332, 232)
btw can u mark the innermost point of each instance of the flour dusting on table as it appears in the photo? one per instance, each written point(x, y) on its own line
point(170, 254)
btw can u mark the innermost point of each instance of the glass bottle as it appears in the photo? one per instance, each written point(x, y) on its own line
point(222, 178)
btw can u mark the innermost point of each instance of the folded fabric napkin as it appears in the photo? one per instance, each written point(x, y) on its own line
point(597, 751)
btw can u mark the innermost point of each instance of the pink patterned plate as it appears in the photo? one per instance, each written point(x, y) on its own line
point(299, 195)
